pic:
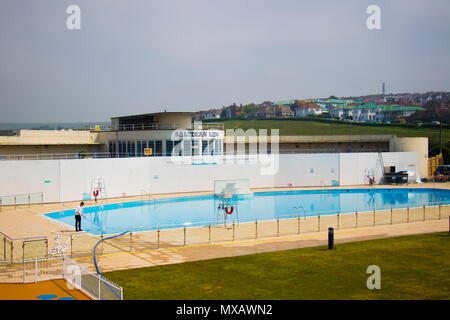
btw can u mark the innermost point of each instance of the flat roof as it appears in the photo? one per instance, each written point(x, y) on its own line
point(327, 138)
point(153, 114)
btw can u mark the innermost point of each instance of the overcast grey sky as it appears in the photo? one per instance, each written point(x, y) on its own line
point(139, 56)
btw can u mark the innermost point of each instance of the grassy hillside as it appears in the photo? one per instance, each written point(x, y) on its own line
point(320, 127)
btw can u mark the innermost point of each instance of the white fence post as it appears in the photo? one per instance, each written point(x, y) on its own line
point(63, 267)
point(35, 270)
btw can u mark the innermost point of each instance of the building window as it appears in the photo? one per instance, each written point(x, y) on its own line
point(131, 149)
point(112, 148)
point(205, 151)
point(169, 147)
point(139, 148)
point(151, 144)
point(209, 147)
point(196, 147)
point(158, 148)
point(218, 147)
point(122, 149)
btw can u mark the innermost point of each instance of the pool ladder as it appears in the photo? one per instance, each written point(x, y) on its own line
point(298, 208)
point(150, 198)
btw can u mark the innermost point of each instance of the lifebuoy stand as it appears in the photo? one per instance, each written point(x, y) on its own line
point(226, 208)
point(95, 193)
point(229, 212)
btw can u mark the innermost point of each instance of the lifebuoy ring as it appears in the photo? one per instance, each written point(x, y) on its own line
point(95, 193)
point(229, 212)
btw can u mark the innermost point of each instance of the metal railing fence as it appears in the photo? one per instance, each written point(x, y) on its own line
point(155, 126)
point(27, 199)
point(20, 249)
point(296, 223)
point(110, 155)
point(94, 285)
point(166, 236)
point(308, 150)
point(67, 155)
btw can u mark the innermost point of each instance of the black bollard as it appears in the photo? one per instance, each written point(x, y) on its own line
point(330, 238)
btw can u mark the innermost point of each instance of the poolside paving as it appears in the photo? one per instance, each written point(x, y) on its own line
point(116, 255)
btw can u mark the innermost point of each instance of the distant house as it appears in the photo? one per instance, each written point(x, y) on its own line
point(368, 112)
point(266, 112)
point(308, 108)
point(266, 103)
point(272, 111)
point(212, 114)
point(342, 112)
point(231, 111)
point(287, 103)
point(395, 112)
point(329, 103)
point(284, 111)
point(209, 114)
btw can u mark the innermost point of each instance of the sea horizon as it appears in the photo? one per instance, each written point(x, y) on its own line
point(49, 125)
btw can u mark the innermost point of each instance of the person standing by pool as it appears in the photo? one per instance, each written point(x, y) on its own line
point(78, 214)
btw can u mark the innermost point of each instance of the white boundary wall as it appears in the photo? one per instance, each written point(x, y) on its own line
point(67, 180)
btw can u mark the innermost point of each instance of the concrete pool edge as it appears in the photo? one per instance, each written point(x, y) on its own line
point(262, 192)
point(28, 221)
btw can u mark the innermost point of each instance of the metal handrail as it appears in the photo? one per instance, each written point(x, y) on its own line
point(67, 156)
point(303, 151)
point(20, 194)
point(15, 196)
point(155, 126)
point(23, 238)
point(109, 155)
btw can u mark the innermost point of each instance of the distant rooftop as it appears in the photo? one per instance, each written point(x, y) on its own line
point(284, 102)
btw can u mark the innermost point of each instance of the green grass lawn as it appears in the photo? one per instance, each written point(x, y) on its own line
point(309, 127)
point(412, 267)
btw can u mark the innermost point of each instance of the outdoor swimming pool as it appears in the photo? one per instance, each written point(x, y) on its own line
point(203, 210)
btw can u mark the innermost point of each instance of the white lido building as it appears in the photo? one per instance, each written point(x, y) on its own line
point(150, 135)
point(158, 134)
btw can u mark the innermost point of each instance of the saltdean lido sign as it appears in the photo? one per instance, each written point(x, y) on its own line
point(182, 134)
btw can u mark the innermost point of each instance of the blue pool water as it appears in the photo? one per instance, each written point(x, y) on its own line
point(202, 210)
